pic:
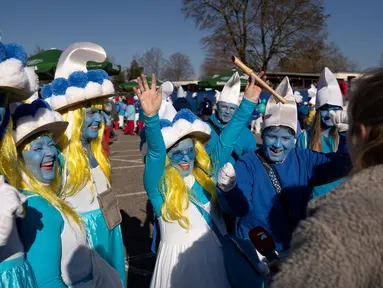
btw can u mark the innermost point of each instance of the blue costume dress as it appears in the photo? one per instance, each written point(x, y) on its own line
point(245, 142)
point(58, 250)
point(107, 243)
point(328, 146)
point(189, 258)
point(254, 199)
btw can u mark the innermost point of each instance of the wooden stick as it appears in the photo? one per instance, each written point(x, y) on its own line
point(262, 83)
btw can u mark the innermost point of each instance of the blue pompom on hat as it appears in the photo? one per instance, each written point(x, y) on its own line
point(83, 85)
point(17, 81)
point(34, 118)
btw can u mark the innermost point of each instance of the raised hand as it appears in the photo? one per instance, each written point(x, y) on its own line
point(252, 90)
point(150, 98)
point(340, 119)
point(227, 177)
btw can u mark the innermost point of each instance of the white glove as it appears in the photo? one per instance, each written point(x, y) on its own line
point(340, 119)
point(226, 177)
point(11, 206)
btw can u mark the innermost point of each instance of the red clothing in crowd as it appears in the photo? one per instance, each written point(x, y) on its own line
point(343, 88)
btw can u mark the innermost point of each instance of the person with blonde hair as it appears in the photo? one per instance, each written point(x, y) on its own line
point(79, 95)
point(179, 180)
point(323, 135)
point(17, 83)
point(53, 234)
point(339, 244)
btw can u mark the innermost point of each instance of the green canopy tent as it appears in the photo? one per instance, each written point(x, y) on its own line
point(45, 64)
point(218, 81)
point(128, 86)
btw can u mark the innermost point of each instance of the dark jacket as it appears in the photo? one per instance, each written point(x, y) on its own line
point(340, 244)
point(181, 103)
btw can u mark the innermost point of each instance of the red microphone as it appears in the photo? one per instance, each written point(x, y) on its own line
point(263, 242)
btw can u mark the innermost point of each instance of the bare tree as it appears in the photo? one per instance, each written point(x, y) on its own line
point(152, 61)
point(178, 67)
point(37, 50)
point(258, 30)
point(381, 59)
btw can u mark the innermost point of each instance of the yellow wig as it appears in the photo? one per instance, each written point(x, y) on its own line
point(8, 157)
point(51, 192)
point(77, 165)
point(175, 192)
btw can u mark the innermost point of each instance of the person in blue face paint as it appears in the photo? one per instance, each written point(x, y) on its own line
point(323, 135)
point(18, 83)
point(227, 103)
point(79, 96)
point(271, 188)
point(53, 234)
point(178, 178)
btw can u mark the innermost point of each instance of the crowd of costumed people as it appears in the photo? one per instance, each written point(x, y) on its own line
point(301, 208)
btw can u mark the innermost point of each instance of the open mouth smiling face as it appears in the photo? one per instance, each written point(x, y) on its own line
point(182, 156)
point(277, 143)
point(40, 158)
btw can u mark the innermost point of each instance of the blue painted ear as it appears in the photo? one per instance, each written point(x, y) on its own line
point(59, 86)
point(46, 91)
point(78, 79)
point(185, 114)
point(16, 51)
point(3, 53)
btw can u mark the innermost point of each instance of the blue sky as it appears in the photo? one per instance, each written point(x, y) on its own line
point(127, 27)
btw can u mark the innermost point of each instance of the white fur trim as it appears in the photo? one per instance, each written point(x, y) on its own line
point(92, 90)
point(107, 87)
point(74, 94)
point(13, 74)
point(27, 124)
point(57, 102)
point(278, 114)
point(182, 128)
point(328, 90)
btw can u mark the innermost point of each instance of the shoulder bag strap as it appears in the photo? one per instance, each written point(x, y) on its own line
point(278, 188)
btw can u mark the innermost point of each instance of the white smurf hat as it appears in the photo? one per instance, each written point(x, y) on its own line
point(328, 90)
point(181, 93)
point(279, 114)
point(167, 89)
point(17, 81)
point(184, 123)
point(30, 119)
point(231, 90)
point(73, 83)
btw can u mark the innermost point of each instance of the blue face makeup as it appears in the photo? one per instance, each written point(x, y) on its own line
point(225, 111)
point(91, 124)
point(325, 114)
point(277, 143)
point(40, 159)
point(182, 156)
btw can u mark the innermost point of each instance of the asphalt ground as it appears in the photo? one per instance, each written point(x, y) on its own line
point(136, 211)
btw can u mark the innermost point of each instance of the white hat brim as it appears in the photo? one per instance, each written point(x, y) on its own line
point(16, 94)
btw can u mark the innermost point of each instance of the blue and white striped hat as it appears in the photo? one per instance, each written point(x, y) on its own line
point(30, 119)
point(73, 83)
point(17, 81)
